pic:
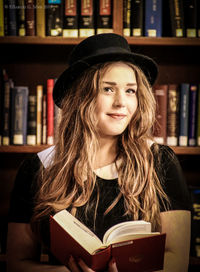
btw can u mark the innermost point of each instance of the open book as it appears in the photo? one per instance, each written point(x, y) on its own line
point(131, 243)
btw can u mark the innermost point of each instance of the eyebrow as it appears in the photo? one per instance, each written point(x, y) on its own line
point(114, 83)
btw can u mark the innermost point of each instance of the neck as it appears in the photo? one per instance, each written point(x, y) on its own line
point(107, 152)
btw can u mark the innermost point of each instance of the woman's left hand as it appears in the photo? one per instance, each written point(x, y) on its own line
point(112, 267)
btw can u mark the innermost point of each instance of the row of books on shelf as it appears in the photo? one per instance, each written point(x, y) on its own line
point(83, 18)
point(178, 114)
point(27, 118)
point(161, 18)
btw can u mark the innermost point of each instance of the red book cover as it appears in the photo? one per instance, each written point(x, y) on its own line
point(86, 18)
point(104, 16)
point(143, 252)
point(160, 127)
point(50, 112)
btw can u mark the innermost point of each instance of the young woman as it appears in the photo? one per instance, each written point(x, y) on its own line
point(105, 167)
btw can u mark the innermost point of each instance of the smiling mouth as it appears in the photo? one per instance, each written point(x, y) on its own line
point(117, 116)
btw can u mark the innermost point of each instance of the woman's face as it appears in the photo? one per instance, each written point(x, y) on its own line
point(117, 100)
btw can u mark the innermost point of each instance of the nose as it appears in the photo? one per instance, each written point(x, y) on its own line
point(119, 100)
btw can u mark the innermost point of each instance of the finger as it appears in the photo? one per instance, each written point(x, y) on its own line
point(72, 265)
point(112, 266)
point(84, 267)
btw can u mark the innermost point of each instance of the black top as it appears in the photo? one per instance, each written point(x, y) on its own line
point(167, 168)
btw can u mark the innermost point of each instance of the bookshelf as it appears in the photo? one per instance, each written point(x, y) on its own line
point(31, 60)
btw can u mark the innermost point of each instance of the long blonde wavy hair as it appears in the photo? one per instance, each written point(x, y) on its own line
point(69, 180)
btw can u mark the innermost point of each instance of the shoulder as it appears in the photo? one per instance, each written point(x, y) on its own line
point(171, 176)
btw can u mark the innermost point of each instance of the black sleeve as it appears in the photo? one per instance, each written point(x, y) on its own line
point(171, 175)
point(22, 197)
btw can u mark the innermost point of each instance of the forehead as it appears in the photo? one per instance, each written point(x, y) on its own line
point(119, 71)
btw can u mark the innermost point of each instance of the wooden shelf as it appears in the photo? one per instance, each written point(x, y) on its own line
point(147, 41)
point(22, 149)
point(179, 150)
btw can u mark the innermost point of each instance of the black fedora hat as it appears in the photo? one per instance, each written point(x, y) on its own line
point(100, 48)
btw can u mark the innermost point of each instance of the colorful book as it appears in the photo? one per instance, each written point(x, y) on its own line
point(50, 112)
point(198, 117)
point(184, 114)
point(198, 18)
point(6, 118)
point(21, 18)
point(104, 16)
point(177, 18)
point(70, 19)
point(86, 18)
point(19, 112)
point(127, 18)
point(173, 115)
point(137, 18)
point(39, 94)
point(40, 18)
point(32, 120)
point(44, 119)
point(30, 17)
point(192, 114)
point(190, 11)
point(1, 18)
point(160, 127)
point(153, 18)
point(6, 17)
point(130, 243)
point(12, 18)
point(54, 18)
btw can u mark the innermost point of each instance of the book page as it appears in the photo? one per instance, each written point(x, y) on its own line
point(126, 229)
point(83, 235)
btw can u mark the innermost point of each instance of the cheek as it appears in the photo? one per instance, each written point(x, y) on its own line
point(133, 106)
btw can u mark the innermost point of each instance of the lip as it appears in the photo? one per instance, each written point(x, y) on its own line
point(117, 116)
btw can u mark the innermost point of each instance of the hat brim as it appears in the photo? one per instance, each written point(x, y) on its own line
point(146, 64)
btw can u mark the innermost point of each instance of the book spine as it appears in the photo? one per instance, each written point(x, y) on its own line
point(12, 18)
point(198, 17)
point(21, 18)
point(198, 117)
point(86, 18)
point(6, 17)
point(160, 127)
point(31, 123)
point(184, 112)
point(44, 119)
point(104, 16)
point(172, 115)
point(70, 20)
point(8, 84)
point(19, 106)
point(50, 112)
point(192, 115)
point(30, 17)
point(39, 114)
point(190, 18)
point(57, 118)
point(137, 16)
point(127, 18)
point(177, 18)
point(54, 18)
point(153, 18)
point(40, 18)
point(1, 18)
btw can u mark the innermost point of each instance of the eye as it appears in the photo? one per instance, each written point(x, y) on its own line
point(107, 90)
point(131, 91)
